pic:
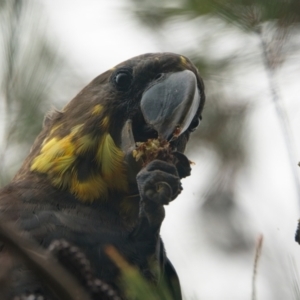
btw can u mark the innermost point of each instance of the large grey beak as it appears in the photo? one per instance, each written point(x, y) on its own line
point(170, 105)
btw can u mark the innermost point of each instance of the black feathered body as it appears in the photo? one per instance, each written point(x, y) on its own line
point(78, 184)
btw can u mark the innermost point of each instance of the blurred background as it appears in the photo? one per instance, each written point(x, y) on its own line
point(244, 185)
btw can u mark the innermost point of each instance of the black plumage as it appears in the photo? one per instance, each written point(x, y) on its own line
point(80, 184)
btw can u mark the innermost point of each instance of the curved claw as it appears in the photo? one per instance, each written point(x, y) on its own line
point(162, 193)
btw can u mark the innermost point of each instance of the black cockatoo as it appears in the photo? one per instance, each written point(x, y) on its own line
point(102, 169)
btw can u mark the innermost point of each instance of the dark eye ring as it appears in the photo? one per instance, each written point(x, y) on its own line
point(123, 80)
point(195, 123)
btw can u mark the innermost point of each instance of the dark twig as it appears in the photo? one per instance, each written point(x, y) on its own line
point(50, 272)
point(255, 265)
point(280, 111)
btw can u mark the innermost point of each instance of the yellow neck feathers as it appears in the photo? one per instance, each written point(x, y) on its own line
point(64, 159)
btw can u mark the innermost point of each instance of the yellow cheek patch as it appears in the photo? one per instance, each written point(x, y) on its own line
point(110, 160)
point(97, 109)
point(104, 124)
point(94, 188)
point(84, 144)
point(54, 129)
point(55, 156)
point(76, 129)
point(59, 158)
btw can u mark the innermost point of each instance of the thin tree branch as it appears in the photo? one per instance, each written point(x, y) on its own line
point(280, 112)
